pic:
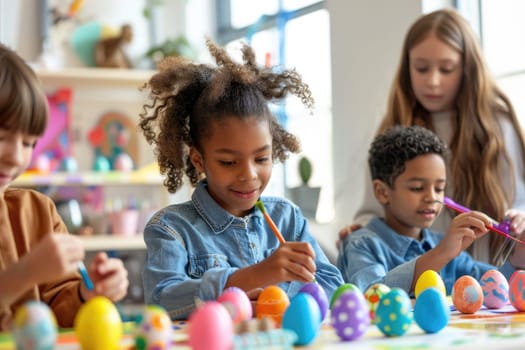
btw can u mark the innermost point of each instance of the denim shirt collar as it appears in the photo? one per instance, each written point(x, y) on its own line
point(212, 213)
point(399, 243)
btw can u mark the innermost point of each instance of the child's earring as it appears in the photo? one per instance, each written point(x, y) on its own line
point(381, 191)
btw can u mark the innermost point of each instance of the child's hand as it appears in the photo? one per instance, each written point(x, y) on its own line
point(517, 227)
point(463, 230)
point(293, 261)
point(109, 276)
point(55, 256)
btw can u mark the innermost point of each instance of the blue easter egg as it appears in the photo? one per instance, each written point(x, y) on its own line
point(393, 314)
point(431, 311)
point(303, 317)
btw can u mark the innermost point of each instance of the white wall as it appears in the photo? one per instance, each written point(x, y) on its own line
point(366, 43)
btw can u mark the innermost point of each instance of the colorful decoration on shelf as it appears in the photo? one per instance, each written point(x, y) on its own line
point(115, 139)
point(55, 144)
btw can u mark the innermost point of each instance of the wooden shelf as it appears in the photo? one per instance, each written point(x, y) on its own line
point(110, 178)
point(100, 77)
point(113, 242)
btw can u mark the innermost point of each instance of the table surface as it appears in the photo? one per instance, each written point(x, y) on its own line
point(486, 329)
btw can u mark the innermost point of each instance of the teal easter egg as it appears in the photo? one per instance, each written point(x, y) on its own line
point(431, 311)
point(34, 327)
point(303, 317)
point(101, 164)
point(393, 314)
point(342, 288)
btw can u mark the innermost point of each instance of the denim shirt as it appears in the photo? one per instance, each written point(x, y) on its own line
point(194, 247)
point(378, 254)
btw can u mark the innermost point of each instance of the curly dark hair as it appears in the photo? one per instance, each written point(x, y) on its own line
point(391, 150)
point(187, 97)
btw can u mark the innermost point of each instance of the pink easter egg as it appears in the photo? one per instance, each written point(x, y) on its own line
point(467, 295)
point(237, 303)
point(495, 289)
point(210, 327)
point(517, 290)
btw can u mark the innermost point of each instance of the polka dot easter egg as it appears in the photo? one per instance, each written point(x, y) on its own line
point(373, 295)
point(34, 327)
point(340, 290)
point(154, 331)
point(393, 314)
point(350, 315)
point(517, 290)
point(467, 295)
point(495, 289)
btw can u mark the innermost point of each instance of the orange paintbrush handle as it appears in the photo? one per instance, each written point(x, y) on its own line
point(274, 228)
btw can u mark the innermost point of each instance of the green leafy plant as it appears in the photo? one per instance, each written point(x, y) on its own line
point(305, 170)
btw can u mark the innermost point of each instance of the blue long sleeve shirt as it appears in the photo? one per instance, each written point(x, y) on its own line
point(378, 254)
point(194, 247)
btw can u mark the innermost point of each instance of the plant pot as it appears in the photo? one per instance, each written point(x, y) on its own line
point(306, 197)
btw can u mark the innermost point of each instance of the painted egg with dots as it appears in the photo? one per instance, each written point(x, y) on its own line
point(303, 317)
point(318, 293)
point(517, 290)
point(154, 331)
point(373, 295)
point(342, 288)
point(210, 327)
point(350, 315)
point(272, 303)
point(34, 327)
point(467, 295)
point(431, 310)
point(495, 289)
point(237, 303)
point(394, 313)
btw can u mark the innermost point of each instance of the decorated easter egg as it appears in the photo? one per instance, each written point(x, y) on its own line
point(350, 315)
point(210, 327)
point(98, 325)
point(495, 289)
point(517, 290)
point(123, 162)
point(42, 163)
point(237, 303)
point(303, 317)
point(34, 327)
point(431, 311)
point(429, 279)
point(154, 331)
point(272, 303)
point(69, 165)
point(318, 293)
point(393, 314)
point(373, 295)
point(101, 164)
point(340, 290)
point(467, 295)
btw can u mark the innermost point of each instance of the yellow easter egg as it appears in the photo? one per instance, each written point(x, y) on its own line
point(98, 325)
point(430, 279)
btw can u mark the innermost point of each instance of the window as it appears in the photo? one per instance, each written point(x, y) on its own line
point(501, 27)
point(291, 34)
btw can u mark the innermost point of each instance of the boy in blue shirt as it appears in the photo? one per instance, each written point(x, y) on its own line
point(409, 177)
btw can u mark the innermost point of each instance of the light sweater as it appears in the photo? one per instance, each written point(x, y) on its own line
point(26, 217)
point(371, 208)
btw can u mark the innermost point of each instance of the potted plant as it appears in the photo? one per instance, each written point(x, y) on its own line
point(304, 195)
